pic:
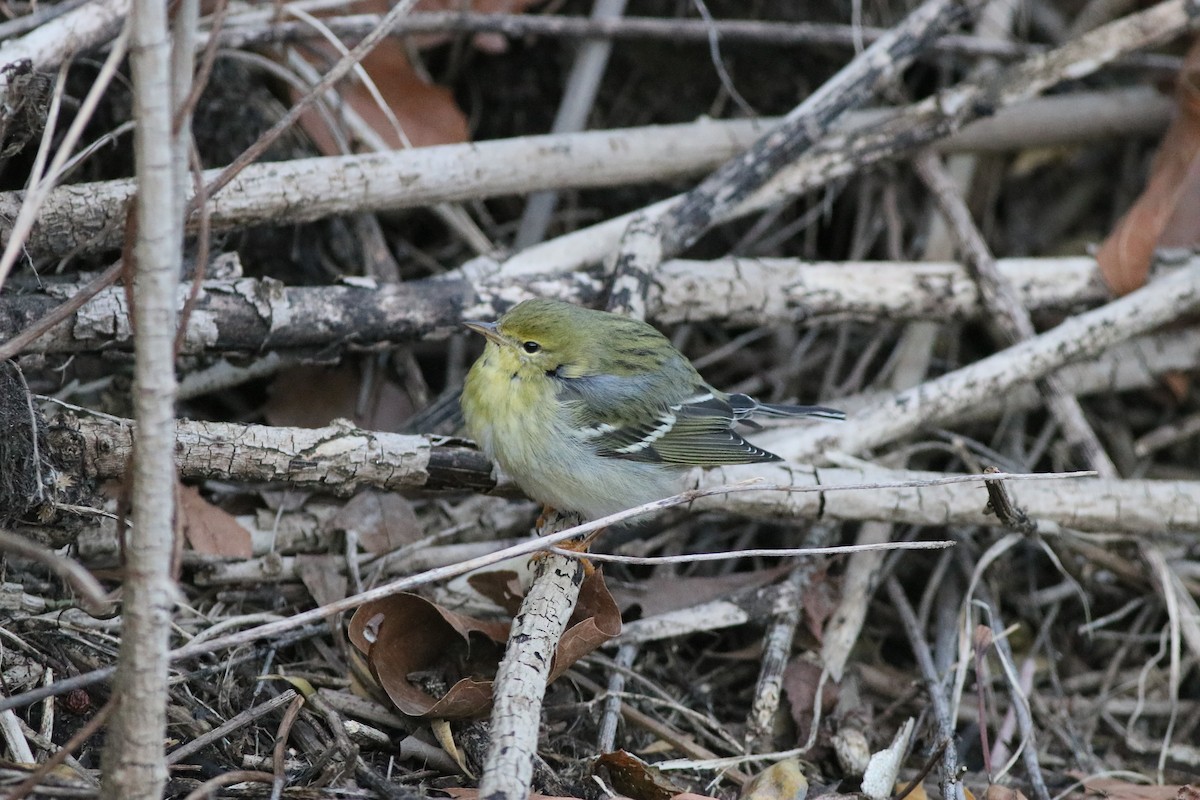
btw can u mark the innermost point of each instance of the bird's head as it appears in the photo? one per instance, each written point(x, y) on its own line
point(546, 336)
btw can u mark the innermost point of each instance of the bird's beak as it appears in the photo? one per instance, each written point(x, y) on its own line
point(488, 329)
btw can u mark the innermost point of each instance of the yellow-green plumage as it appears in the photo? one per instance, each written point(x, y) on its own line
point(593, 412)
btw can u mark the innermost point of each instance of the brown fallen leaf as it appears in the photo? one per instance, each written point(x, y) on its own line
point(322, 575)
point(800, 680)
point(631, 776)
point(501, 586)
point(662, 595)
point(383, 521)
point(997, 792)
point(211, 530)
point(406, 634)
point(1168, 210)
point(595, 620)
point(427, 114)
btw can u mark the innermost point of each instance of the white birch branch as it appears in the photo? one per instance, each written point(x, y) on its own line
point(89, 215)
point(253, 315)
point(53, 42)
point(339, 459)
point(354, 459)
point(1128, 506)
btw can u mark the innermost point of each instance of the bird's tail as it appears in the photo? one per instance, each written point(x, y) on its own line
point(744, 406)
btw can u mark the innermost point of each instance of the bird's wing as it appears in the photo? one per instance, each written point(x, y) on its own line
point(697, 431)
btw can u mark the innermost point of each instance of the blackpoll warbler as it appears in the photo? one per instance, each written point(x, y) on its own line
point(593, 412)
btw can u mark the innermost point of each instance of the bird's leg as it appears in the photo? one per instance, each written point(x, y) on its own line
point(584, 544)
point(552, 520)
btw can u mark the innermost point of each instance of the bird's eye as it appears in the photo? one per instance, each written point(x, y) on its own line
point(531, 347)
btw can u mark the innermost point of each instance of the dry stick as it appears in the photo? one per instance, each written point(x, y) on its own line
point(633, 267)
point(1020, 703)
point(52, 43)
point(858, 586)
point(36, 18)
point(255, 151)
point(914, 351)
point(777, 644)
point(623, 661)
point(578, 98)
point(350, 459)
point(279, 753)
point(521, 677)
point(682, 742)
point(251, 315)
point(208, 788)
point(80, 217)
point(85, 732)
point(1079, 337)
point(1014, 321)
point(34, 198)
point(1003, 306)
point(754, 552)
point(14, 346)
point(934, 685)
point(937, 116)
point(1167, 435)
point(1097, 506)
point(338, 459)
point(516, 26)
point(94, 599)
point(1136, 364)
point(901, 132)
point(134, 762)
point(852, 86)
point(526, 547)
point(231, 725)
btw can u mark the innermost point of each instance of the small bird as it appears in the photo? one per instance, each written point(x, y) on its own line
point(592, 412)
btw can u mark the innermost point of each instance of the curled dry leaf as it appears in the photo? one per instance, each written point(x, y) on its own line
point(406, 635)
point(1167, 211)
